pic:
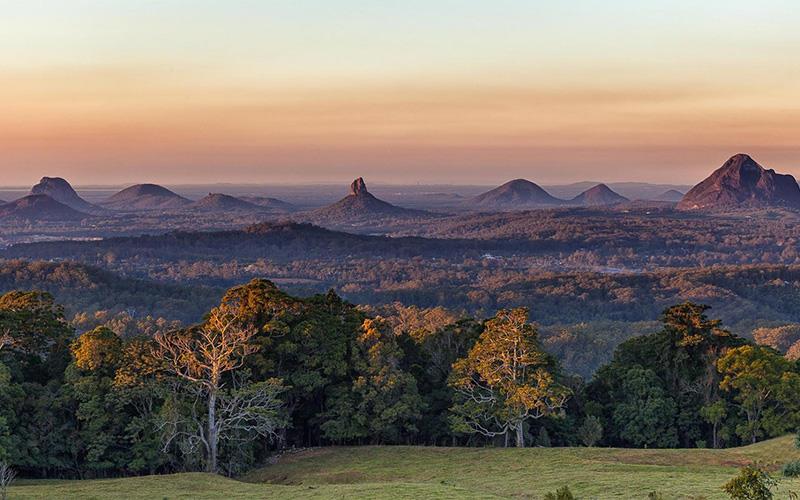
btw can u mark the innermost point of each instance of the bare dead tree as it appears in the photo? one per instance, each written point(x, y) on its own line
point(5, 338)
point(7, 476)
point(202, 357)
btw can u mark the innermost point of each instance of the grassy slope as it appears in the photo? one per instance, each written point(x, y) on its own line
point(406, 472)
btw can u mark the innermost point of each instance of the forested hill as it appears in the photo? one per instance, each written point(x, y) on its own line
point(281, 240)
point(89, 290)
point(596, 283)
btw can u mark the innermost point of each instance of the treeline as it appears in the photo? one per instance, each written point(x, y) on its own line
point(92, 296)
point(266, 370)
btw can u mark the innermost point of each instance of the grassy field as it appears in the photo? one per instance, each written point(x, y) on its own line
point(415, 472)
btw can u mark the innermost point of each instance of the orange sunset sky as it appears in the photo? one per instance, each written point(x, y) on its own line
point(104, 92)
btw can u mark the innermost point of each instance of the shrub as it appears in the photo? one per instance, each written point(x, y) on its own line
point(591, 431)
point(752, 483)
point(562, 493)
point(791, 469)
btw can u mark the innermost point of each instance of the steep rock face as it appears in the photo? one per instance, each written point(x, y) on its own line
point(361, 204)
point(359, 188)
point(518, 193)
point(61, 191)
point(39, 207)
point(218, 202)
point(146, 197)
point(741, 182)
point(599, 195)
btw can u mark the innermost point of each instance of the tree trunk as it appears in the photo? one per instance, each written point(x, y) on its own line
point(714, 436)
point(213, 439)
point(520, 436)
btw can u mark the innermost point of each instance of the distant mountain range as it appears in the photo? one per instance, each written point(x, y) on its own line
point(522, 194)
point(742, 183)
point(630, 190)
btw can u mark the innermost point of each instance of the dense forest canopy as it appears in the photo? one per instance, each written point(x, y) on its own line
point(116, 354)
point(280, 370)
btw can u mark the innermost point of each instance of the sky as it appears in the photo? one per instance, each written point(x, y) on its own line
point(411, 91)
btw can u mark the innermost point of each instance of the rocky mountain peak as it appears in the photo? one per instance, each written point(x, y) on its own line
point(742, 182)
point(358, 187)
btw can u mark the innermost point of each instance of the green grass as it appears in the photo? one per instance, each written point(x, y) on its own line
point(420, 472)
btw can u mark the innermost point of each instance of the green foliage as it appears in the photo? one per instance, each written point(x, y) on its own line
point(562, 493)
point(715, 413)
point(764, 386)
point(429, 355)
point(646, 414)
point(752, 483)
point(99, 404)
point(591, 431)
point(383, 403)
point(674, 377)
point(791, 469)
point(506, 379)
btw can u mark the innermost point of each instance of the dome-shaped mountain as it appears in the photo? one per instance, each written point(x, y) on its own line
point(741, 182)
point(61, 191)
point(598, 196)
point(146, 197)
point(672, 196)
point(224, 203)
point(519, 193)
point(361, 204)
point(39, 207)
point(271, 204)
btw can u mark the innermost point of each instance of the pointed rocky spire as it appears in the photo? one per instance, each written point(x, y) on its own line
point(358, 187)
